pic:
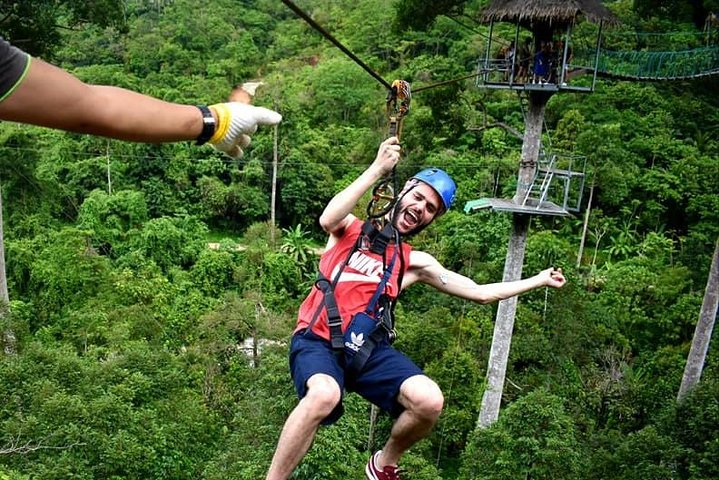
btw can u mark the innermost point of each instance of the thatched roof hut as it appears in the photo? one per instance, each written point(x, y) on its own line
point(551, 12)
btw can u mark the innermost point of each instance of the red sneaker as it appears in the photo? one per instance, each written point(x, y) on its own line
point(374, 473)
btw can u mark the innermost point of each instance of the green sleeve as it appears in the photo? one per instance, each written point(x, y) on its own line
point(14, 64)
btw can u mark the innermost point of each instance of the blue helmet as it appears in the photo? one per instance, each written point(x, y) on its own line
point(441, 182)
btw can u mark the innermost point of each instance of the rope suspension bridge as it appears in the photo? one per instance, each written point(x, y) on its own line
point(682, 65)
point(656, 56)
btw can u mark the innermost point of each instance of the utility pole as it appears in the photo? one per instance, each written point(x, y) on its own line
point(504, 324)
point(109, 173)
point(245, 93)
point(9, 340)
point(274, 188)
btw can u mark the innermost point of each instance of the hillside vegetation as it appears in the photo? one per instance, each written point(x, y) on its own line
point(129, 328)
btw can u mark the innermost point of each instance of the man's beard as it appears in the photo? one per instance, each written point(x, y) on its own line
point(396, 211)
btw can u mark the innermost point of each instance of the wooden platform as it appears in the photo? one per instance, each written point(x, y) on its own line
point(561, 173)
point(546, 87)
point(508, 205)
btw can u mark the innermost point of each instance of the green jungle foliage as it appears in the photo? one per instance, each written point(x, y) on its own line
point(134, 339)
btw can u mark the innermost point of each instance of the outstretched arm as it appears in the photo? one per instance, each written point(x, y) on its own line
point(426, 269)
point(51, 97)
point(337, 215)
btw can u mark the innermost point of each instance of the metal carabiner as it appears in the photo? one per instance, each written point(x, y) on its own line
point(384, 194)
point(398, 100)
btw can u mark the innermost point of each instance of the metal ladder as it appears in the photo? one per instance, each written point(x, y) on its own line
point(547, 177)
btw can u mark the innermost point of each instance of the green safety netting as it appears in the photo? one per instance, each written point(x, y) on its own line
point(653, 65)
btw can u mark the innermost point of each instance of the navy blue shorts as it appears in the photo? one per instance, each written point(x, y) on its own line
point(378, 382)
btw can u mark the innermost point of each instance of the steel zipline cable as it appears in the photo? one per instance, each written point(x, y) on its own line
point(336, 42)
point(445, 82)
point(356, 59)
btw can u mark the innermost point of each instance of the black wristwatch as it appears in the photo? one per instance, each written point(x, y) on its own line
point(208, 125)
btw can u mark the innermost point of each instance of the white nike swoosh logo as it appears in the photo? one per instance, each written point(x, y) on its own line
point(357, 277)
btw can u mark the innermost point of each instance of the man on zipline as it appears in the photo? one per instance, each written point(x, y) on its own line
point(37, 93)
point(344, 328)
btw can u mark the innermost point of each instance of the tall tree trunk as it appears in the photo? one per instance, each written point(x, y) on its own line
point(703, 331)
point(585, 226)
point(504, 324)
point(9, 340)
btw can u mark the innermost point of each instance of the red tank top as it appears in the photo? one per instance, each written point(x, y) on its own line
point(356, 284)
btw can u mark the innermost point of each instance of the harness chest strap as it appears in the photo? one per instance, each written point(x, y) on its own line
point(334, 319)
point(372, 305)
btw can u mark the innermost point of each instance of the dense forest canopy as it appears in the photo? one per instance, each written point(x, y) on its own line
point(143, 353)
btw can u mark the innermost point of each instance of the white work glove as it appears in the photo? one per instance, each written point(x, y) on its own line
point(236, 122)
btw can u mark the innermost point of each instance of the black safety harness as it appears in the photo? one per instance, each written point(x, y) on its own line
point(380, 307)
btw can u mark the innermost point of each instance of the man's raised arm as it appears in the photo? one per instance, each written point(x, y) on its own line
point(337, 214)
